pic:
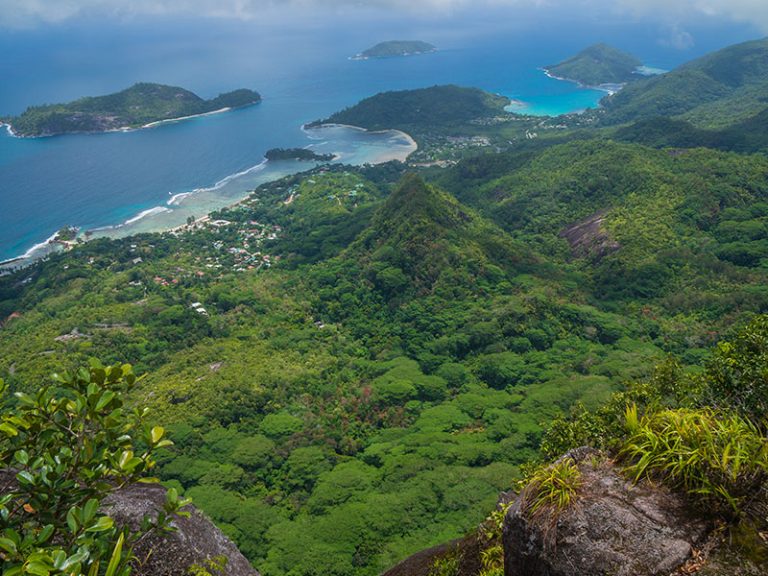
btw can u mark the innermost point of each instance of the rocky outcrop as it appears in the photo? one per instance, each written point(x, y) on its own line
point(613, 527)
point(588, 238)
point(194, 542)
point(465, 551)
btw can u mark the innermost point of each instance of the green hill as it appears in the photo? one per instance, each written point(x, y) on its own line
point(598, 64)
point(425, 110)
point(395, 48)
point(141, 104)
point(715, 90)
point(422, 240)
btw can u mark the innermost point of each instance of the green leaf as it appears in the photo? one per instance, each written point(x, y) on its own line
point(59, 557)
point(45, 534)
point(72, 519)
point(8, 545)
point(156, 434)
point(38, 568)
point(125, 457)
point(105, 399)
point(89, 510)
point(8, 429)
point(25, 477)
point(22, 457)
point(114, 561)
point(102, 525)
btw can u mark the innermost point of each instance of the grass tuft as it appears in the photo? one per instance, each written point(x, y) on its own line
point(719, 459)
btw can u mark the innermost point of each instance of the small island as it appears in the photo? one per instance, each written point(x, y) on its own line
point(597, 66)
point(302, 154)
point(140, 106)
point(394, 48)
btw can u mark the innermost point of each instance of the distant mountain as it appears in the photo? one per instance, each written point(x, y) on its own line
point(598, 64)
point(716, 90)
point(139, 105)
point(423, 110)
point(394, 48)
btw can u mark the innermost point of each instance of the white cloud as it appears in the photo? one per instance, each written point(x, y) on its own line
point(672, 12)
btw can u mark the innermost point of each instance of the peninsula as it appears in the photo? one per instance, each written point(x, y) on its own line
point(303, 154)
point(395, 48)
point(597, 65)
point(142, 105)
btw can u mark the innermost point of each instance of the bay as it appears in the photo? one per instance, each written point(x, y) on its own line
point(303, 72)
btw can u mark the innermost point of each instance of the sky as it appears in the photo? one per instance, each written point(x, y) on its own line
point(674, 14)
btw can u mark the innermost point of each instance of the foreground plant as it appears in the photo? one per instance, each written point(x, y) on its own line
point(720, 458)
point(62, 451)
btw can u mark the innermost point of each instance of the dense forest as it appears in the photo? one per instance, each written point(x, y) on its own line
point(358, 361)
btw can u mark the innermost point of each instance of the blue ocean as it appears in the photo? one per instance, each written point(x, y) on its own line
point(154, 178)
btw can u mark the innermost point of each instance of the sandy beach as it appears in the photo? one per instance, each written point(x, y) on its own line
point(608, 88)
point(122, 128)
point(180, 119)
point(401, 155)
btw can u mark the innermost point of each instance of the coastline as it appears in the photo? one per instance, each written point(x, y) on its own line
point(608, 88)
point(175, 202)
point(181, 118)
point(412, 143)
point(154, 124)
point(10, 131)
point(361, 57)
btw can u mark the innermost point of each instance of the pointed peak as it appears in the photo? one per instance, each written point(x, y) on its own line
point(414, 199)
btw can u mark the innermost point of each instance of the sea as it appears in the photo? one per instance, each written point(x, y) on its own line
point(120, 183)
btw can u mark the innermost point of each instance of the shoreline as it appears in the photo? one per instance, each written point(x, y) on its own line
point(181, 118)
point(608, 87)
point(123, 129)
point(411, 142)
point(361, 58)
point(50, 244)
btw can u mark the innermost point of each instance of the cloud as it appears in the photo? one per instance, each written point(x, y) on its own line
point(16, 13)
point(678, 38)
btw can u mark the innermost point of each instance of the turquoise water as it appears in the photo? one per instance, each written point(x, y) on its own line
point(105, 180)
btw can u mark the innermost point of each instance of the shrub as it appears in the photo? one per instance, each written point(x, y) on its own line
point(70, 445)
point(737, 377)
point(720, 459)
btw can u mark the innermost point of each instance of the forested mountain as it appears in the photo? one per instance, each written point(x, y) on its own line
point(716, 90)
point(598, 64)
point(354, 362)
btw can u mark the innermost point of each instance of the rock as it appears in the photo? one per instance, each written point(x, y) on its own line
point(194, 541)
point(589, 238)
point(466, 552)
point(613, 527)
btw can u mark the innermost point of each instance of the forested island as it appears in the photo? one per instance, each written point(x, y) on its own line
point(596, 65)
point(304, 154)
point(433, 109)
point(138, 106)
point(394, 48)
point(356, 362)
